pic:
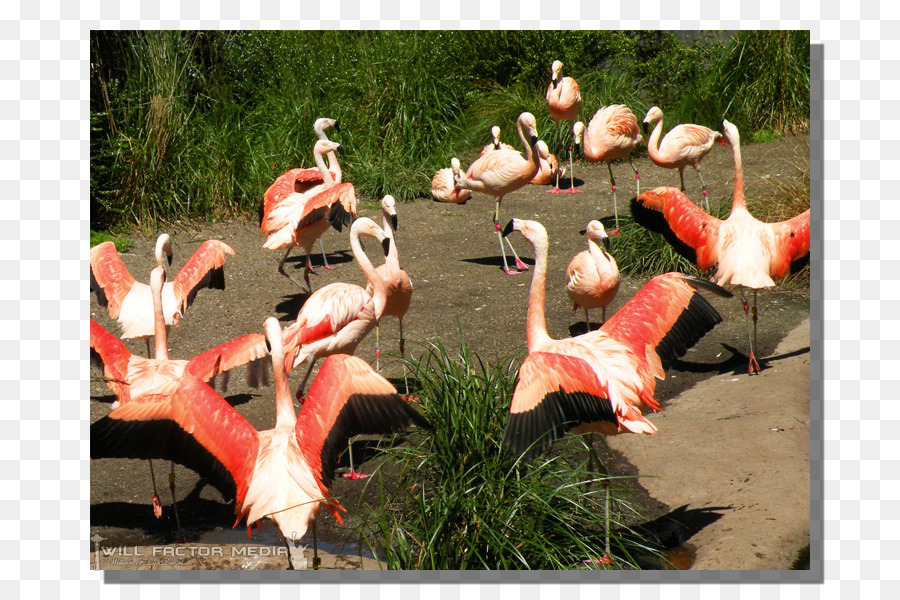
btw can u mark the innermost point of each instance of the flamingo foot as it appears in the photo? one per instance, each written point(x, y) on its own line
point(410, 398)
point(613, 231)
point(330, 268)
point(754, 365)
point(355, 475)
point(521, 265)
point(606, 560)
point(555, 190)
point(157, 506)
point(572, 190)
point(509, 271)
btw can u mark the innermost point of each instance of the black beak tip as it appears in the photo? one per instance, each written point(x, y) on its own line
point(394, 222)
point(646, 127)
point(606, 243)
point(508, 229)
point(386, 245)
point(340, 150)
point(534, 140)
point(337, 126)
point(582, 232)
point(169, 258)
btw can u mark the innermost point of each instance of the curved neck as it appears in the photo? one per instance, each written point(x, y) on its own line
point(326, 175)
point(597, 253)
point(536, 324)
point(738, 201)
point(379, 295)
point(529, 154)
point(655, 138)
point(393, 255)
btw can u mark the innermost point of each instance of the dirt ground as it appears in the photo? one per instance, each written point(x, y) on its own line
point(723, 461)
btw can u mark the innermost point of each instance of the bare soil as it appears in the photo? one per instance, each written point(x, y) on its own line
point(451, 254)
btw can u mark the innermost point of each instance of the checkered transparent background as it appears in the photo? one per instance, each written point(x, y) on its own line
point(44, 167)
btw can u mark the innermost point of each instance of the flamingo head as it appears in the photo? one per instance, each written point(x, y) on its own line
point(596, 232)
point(324, 123)
point(731, 133)
point(653, 115)
point(542, 150)
point(578, 132)
point(389, 206)
point(555, 70)
point(163, 250)
point(323, 147)
point(495, 135)
point(532, 231)
point(528, 125)
point(366, 227)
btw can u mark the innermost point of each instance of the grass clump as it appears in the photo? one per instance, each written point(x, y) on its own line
point(458, 501)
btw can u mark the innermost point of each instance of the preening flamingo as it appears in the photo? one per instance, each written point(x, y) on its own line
point(130, 302)
point(592, 277)
point(398, 286)
point(281, 198)
point(611, 134)
point(138, 381)
point(683, 145)
point(282, 473)
point(747, 253)
point(600, 381)
point(303, 220)
point(503, 171)
point(335, 318)
point(563, 102)
point(443, 188)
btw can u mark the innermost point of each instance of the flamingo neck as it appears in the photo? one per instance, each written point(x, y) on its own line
point(284, 405)
point(159, 325)
point(334, 167)
point(739, 201)
point(536, 324)
point(655, 138)
point(379, 294)
point(326, 175)
point(597, 253)
point(529, 153)
point(393, 256)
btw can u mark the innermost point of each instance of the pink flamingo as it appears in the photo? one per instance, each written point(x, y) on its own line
point(747, 253)
point(302, 221)
point(503, 171)
point(549, 165)
point(495, 144)
point(442, 186)
point(683, 145)
point(398, 286)
point(612, 134)
point(563, 102)
point(130, 302)
point(592, 277)
point(600, 381)
point(282, 473)
point(140, 382)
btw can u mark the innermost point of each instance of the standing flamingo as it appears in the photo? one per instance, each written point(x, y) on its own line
point(683, 145)
point(130, 302)
point(563, 102)
point(503, 171)
point(398, 286)
point(137, 381)
point(443, 188)
point(612, 134)
point(303, 222)
point(335, 318)
point(282, 473)
point(549, 164)
point(592, 277)
point(600, 381)
point(747, 253)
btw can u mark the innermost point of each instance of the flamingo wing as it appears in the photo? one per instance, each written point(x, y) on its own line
point(555, 393)
point(346, 399)
point(443, 190)
point(194, 426)
point(203, 270)
point(501, 168)
point(111, 356)
point(109, 277)
point(240, 351)
point(791, 245)
point(692, 232)
point(662, 321)
point(688, 142)
point(337, 204)
point(294, 181)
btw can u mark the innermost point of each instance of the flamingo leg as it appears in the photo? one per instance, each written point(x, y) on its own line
point(290, 566)
point(302, 388)
point(147, 341)
point(754, 316)
point(596, 466)
point(157, 505)
point(283, 272)
point(403, 355)
point(637, 176)
point(317, 562)
point(506, 268)
point(571, 189)
point(681, 174)
point(353, 474)
point(703, 187)
point(377, 347)
point(754, 365)
point(324, 257)
point(603, 316)
point(556, 189)
point(587, 320)
point(175, 502)
point(612, 184)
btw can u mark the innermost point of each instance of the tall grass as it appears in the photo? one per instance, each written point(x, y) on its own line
point(458, 501)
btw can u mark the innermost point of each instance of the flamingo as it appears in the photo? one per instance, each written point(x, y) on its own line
point(746, 252)
point(592, 277)
point(503, 171)
point(398, 286)
point(495, 143)
point(683, 145)
point(549, 165)
point(303, 222)
point(612, 134)
point(282, 473)
point(563, 102)
point(137, 381)
point(130, 302)
point(335, 318)
point(442, 186)
point(600, 381)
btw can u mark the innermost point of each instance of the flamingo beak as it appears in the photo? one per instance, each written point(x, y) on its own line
point(606, 243)
point(534, 140)
point(340, 150)
point(386, 245)
point(509, 228)
point(394, 222)
point(337, 127)
point(646, 127)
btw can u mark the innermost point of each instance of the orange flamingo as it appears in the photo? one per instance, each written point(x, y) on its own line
point(563, 102)
point(747, 253)
point(137, 381)
point(549, 165)
point(503, 171)
point(683, 145)
point(281, 473)
point(442, 186)
point(612, 134)
point(130, 302)
point(600, 381)
point(398, 286)
point(335, 318)
point(302, 221)
point(592, 277)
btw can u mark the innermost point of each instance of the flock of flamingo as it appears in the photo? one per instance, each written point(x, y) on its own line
point(599, 382)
